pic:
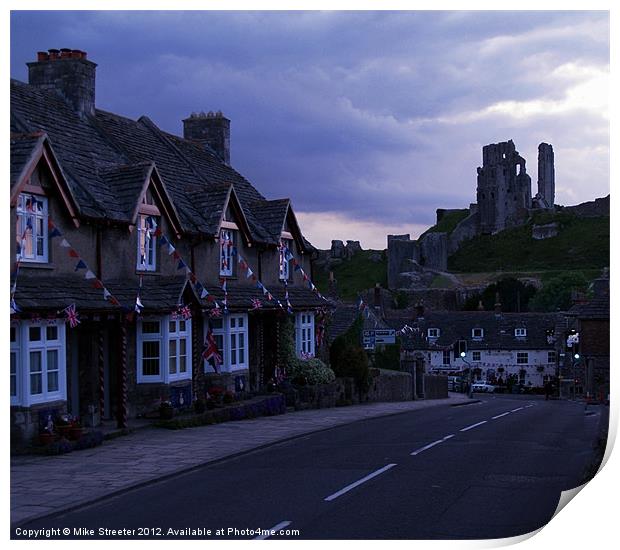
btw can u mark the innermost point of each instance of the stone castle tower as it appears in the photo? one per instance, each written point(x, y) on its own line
point(504, 192)
point(545, 197)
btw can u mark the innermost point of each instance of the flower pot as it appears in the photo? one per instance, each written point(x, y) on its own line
point(63, 430)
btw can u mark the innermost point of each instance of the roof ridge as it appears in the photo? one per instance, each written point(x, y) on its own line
point(150, 125)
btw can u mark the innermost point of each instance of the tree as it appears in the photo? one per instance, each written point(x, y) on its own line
point(513, 295)
point(556, 293)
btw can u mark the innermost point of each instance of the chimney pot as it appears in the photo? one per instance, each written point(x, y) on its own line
point(73, 79)
point(210, 130)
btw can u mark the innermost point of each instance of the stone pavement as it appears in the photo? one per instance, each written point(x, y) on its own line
point(44, 485)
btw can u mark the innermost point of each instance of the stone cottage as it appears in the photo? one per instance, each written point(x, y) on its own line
point(137, 255)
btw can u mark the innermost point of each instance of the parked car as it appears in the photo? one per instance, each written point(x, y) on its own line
point(482, 387)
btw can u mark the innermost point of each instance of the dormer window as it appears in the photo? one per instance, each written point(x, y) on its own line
point(284, 269)
point(433, 333)
point(31, 229)
point(147, 257)
point(227, 251)
point(477, 333)
point(520, 332)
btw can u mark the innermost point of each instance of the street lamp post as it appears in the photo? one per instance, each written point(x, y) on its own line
point(470, 393)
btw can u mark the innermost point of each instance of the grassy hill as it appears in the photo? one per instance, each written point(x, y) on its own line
point(449, 221)
point(355, 275)
point(582, 244)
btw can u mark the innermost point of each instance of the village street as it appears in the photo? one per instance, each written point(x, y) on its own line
point(491, 469)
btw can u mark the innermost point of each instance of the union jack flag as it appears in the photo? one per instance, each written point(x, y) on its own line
point(256, 303)
point(211, 353)
point(72, 316)
point(185, 312)
point(215, 312)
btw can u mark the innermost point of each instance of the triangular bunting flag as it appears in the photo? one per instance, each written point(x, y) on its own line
point(65, 243)
point(89, 274)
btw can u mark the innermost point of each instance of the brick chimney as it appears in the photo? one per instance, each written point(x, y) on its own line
point(212, 129)
point(68, 73)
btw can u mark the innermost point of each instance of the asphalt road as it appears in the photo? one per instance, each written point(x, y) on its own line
point(489, 470)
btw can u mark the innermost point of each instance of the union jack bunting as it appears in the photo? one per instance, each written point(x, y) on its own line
point(256, 303)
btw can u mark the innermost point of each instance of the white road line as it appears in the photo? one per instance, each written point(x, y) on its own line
point(358, 482)
point(500, 415)
point(275, 528)
point(430, 445)
point(474, 426)
point(515, 410)
point(528, 406)
point(426, 447)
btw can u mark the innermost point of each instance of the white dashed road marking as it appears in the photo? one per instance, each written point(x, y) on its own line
point(474, 426)
point(517, 409)
point(359, 482)
point(500, 415)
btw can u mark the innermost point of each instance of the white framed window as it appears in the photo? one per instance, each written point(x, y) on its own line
point(31, 228)
point(522, 358)
point(284, 269)
point(227, 252)
point(551, 357)
point(304, 334)
point(179, 358)
point(164, 350)
point(520, 332)
point(38, 363)
point(475, 356)
point(15, 384)
point(477, 333)
point(231, 335)
point(147, 249)
point(433, 333)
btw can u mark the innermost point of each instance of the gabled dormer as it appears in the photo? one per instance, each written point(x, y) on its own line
point(232, 231)
point(142, 201)
point(36, 177)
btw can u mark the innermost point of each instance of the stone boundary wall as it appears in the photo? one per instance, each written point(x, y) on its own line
point(385, 385)
point(435, 386)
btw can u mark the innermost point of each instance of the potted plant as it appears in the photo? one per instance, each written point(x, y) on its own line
point(216, 393)
point(75, 429)
point(46, 437)
point(63, 425)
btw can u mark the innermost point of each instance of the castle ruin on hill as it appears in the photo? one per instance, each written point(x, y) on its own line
point(503, 200)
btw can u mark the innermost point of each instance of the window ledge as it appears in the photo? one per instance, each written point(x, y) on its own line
point(35, 265)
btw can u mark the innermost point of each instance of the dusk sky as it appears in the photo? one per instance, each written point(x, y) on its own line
point(368, 121)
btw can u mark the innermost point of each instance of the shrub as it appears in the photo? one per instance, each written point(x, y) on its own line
point(199, 406)
point(353, 362)
point(312, 371)
point(387, 357)
point(229, 397)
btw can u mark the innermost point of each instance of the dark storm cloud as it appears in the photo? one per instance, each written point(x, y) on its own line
point(379, 116)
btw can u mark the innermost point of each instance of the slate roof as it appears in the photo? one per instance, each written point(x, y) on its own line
point(499, 330)
point(91, 151)
point(595, 309)
point(240, 297)
point(343, 317)
point(23, 147)
point(58, 292)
